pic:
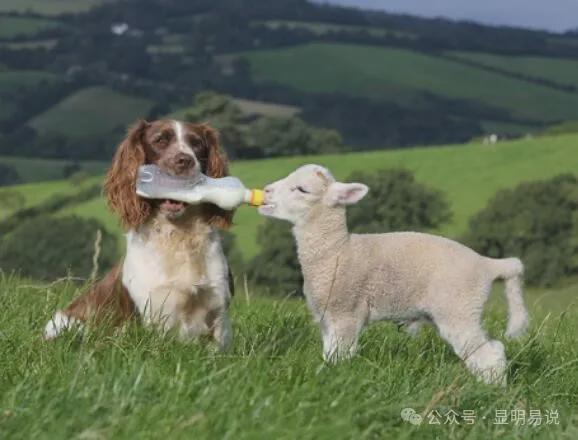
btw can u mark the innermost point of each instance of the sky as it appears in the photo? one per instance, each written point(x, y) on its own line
point(552, 15)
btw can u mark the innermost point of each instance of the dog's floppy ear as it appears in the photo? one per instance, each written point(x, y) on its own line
point(120, 182)
point(217, 162)
point(217, 165)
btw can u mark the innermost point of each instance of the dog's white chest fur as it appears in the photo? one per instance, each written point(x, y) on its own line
point(170, 272)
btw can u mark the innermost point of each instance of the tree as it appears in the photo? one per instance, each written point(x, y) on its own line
point(8, 175)
point(222, 113)
point(396, 202)
point(276, 267)
point(48, 248)
point(291, 136)
point(537, 222)
point(250, 136)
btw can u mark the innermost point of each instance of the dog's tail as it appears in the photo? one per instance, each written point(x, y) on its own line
point(511, 270)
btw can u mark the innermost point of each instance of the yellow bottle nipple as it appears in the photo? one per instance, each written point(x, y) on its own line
point(257, 197)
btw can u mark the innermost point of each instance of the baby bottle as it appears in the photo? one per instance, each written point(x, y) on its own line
point(227, 192)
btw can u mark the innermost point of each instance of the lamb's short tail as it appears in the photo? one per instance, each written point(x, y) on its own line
point(511, 270)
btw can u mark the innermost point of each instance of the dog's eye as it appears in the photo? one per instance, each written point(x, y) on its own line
point(195, 141)
point(159, 138)
point(301, 190)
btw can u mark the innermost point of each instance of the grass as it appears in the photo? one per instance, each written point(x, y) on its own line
point(49, 7)
point(134, 383)
point(92, 111)
point(509, 128)
point(468, 175)
point(399, 75)
point(562, 128)
point(40, 170)
point(35, 193)
point(13, 80)
point(559, 70)
point(12, 27)
point(47, 44)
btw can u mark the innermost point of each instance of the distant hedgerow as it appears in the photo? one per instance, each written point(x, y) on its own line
point(48, 248)
point(536, 221)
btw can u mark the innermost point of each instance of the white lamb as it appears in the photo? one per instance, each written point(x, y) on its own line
point(354, 279)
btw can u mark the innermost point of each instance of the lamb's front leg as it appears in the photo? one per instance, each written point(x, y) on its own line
point(340, 337)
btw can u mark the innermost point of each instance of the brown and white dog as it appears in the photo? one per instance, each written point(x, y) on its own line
point(174, 274)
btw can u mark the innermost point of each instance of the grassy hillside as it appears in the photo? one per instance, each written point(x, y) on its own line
point(397, 74)
point(39, 170)
point(273, 384)
point(13, 80)
point(33, 44)
point(35, 193)
point(48, 7)
point(558, 70)
point(91, 112)
point(11, 27)
point(469, 175)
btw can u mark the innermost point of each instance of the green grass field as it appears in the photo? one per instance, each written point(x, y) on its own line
point(559, 70)
point(33, 44)
point(91, 112)
point(469, 175)
point(12, 80)
point(12, 27)
point(397, 75)
point(49, 7)
point(133, 383)
point(40, 170)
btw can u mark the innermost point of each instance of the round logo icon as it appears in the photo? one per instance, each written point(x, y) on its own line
point(409, 415)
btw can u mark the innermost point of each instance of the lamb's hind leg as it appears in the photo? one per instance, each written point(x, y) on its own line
point(222, 331)
point(484, 357)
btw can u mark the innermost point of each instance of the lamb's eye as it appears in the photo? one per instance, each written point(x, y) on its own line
point(302, 190)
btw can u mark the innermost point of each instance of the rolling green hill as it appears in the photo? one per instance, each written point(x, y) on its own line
point(13, 80)
point(91, 112)
point(558, 70)
point(398, 75)
point(469, 175)
point(39, 170)
point(48, 7)
point(11, 27)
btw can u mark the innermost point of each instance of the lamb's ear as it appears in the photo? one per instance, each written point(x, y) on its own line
point(345, 193)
